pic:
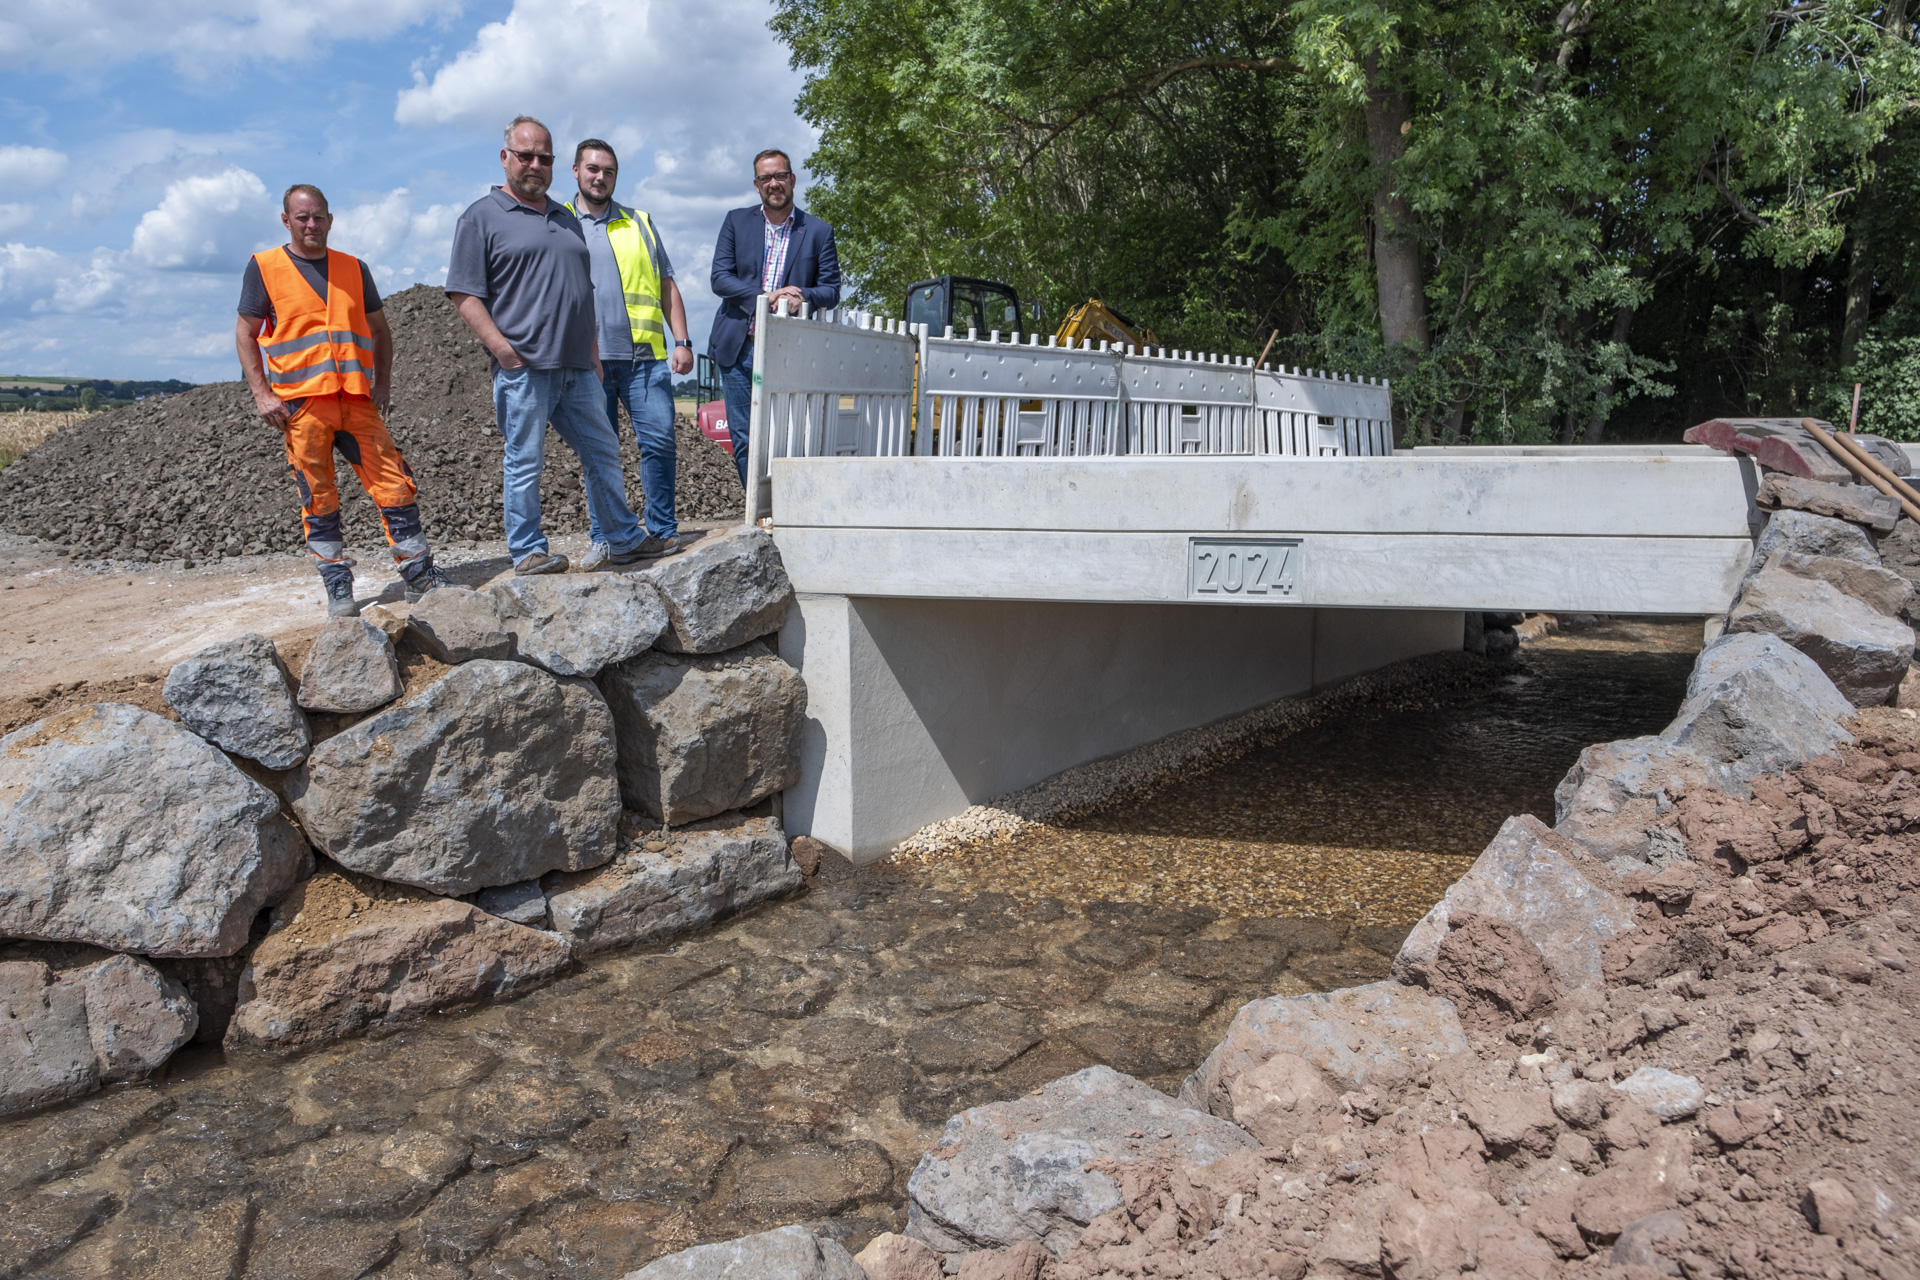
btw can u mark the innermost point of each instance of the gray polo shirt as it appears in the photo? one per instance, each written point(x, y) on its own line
point(609, 299)
point(535, 275)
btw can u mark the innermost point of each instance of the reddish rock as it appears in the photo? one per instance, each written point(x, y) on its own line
point(338, 961)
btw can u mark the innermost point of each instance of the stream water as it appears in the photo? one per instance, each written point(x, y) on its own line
point(791, 1065)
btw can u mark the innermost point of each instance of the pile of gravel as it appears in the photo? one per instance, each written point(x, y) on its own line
point(199, 476)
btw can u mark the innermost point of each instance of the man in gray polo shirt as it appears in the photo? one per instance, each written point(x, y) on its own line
point(522, 280)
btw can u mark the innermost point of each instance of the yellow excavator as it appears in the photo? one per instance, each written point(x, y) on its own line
point(988, 305)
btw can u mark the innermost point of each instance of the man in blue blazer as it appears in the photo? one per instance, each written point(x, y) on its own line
point(774, 249)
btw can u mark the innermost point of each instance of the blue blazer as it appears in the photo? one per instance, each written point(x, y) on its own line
point(741, 253)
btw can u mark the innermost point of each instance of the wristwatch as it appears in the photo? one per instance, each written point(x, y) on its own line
point(683, 342)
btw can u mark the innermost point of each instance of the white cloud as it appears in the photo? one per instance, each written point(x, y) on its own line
point(686, 93)
point(200, 35)
point(14, 216)
point(27, 272)
point(403, 241)
point(31, 168)
point(206, 223)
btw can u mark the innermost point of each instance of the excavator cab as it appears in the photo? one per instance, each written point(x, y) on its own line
point(967, 303)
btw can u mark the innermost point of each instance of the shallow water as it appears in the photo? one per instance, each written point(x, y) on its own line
point(791, 1065)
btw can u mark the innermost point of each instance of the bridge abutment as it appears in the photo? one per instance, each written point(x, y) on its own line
point(918, 708)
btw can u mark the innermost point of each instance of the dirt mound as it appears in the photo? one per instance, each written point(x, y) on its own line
point(198, 476)
point(1737, 1101)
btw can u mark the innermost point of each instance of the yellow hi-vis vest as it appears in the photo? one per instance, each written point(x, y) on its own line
point(632, 236)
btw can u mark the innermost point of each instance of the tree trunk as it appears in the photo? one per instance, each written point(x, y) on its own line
point(1622, 322)
point(1859, 294)
point(1396, 251)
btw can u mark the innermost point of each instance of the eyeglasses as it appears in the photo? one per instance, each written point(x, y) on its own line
point(786, 175)
point(532, 157)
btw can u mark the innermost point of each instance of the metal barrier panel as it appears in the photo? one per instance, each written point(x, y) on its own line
point(993, 399)
point(838, 384)
point(849, 384)
point(1313, 415)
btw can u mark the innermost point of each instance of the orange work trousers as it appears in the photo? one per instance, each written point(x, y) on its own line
point(321, 426)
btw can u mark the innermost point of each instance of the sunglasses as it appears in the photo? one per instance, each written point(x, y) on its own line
point(765, 178)
point(532, 157)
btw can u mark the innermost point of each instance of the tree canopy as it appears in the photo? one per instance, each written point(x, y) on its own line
point(1544, 221)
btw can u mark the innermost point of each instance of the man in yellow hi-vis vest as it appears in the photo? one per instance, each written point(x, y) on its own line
point(635, 305)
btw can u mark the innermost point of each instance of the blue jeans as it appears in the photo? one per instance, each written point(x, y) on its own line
point(646, 384)
point(524, 401)
point(736, 384)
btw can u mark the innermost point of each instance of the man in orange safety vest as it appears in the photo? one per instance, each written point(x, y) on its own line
point(318, 357)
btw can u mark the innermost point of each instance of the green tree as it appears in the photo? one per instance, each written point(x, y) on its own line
point(1477, 198)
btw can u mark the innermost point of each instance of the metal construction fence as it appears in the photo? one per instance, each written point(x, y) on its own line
point(851, 384)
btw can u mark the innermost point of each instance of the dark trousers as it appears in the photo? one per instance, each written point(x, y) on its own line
point(736, 385)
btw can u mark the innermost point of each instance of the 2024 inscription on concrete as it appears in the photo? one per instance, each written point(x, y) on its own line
point(1246, 570)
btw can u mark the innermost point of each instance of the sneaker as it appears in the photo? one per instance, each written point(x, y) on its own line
point(597, 556)
point(650, 549)
point(428, 579)
point(540, 562)
point(340, 601)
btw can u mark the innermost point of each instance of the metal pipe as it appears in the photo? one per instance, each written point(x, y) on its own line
point(1867, 467)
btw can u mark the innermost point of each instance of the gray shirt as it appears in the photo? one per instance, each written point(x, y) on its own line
point(533, 272)
point(609, 299)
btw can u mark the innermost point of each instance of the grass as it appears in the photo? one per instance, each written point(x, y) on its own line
point(19, 432)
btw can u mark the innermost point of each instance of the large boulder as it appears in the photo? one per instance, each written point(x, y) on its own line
point(1529, 877)
point(235, 695)
point(337, 963)
point(1613, 799)
point(702, 734)
point(1862, 650)
point(1886, 591)
point(789, 1253)
point(1013, 1171)
point(45, 1054)
point(1809, 535)
point(458, 624)
point(726, 591)
point(1758, 705)
point(574, 624)
point(1380, 1033)
point(707, 871)
point(351, 668)
point(136, 1016)
point(1900, 553)
point(63, 1035)
point(492, 774)
point(124, 830)
point(1852, 502)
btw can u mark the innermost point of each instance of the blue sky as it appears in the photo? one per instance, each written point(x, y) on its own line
point(144, 144)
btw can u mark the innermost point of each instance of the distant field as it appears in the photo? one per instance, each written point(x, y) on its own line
point(31, 382)
point(19, 432)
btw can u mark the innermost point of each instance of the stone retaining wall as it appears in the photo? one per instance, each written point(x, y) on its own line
point(589, 770)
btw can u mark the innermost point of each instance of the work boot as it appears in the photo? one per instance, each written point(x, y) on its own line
point(540, 562)
point(430, 577)
point(340, 601)
point(597, 556)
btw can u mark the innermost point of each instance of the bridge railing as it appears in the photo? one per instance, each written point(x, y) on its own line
point(851, 384)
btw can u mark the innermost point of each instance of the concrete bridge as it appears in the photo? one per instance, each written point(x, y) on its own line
point(1040, 580)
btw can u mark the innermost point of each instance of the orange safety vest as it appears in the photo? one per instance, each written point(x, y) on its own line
point(315, 346)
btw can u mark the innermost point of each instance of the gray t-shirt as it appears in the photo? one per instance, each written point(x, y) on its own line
point(609, 299)
point(533, 271)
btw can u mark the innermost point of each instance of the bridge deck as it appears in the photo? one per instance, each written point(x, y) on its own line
point(1602, 531)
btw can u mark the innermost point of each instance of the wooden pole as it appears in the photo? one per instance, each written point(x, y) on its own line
point(1853, 419)
point(1263, 351)
point(1867, 467)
